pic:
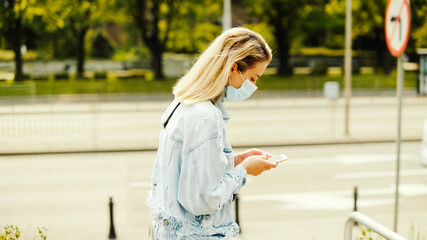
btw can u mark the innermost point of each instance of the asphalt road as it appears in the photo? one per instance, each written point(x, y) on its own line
point(307, 197)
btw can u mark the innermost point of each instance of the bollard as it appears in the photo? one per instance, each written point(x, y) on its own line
point(355, 203)
point(236, 208)
point(112, 234)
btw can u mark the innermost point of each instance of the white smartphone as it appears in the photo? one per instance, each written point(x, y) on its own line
point(280, 158)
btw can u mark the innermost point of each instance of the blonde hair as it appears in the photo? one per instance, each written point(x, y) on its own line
point(208, 76)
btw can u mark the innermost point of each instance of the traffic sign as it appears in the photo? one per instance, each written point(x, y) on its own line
point(397, 25)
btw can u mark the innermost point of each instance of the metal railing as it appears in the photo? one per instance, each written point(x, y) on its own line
point(374, 226)
point(65, 123)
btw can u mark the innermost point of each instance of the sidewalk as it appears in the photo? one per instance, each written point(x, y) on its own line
point(127, 124)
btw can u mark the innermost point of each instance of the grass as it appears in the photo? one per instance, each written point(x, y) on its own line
point(267, 82)
point(316, 82)
point(103, 86)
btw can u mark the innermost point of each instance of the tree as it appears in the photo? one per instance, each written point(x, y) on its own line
point(78, 16)
point(154, 19)
point(11, 17)
point(418, 37)
point(101, 47)
point(284, 16)
point(367, 27)
point(195, 24)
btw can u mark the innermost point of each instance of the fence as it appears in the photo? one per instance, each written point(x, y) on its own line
point(106, 123)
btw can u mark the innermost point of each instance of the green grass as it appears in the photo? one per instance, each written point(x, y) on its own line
point(103, 86)
point(316, 82)
point(267, 82)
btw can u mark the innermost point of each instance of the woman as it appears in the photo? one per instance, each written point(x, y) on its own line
point(196, 173)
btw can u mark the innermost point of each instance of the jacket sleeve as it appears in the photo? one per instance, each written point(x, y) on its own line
point(205, 184)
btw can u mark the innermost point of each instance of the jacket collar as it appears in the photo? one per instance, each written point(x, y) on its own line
point(224, 113)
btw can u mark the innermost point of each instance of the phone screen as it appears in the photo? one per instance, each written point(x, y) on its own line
point(280, 158)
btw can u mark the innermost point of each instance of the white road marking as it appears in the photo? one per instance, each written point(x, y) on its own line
point(380, 174)
point(350, 159)
point(338, 200)
point(360, 159)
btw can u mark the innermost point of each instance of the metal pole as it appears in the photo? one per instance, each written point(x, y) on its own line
point(355, 203)
point(226, 17)
point(112, 234)
point(399, 93)
point(371, 224)
point(236, 208)
point(347, 64)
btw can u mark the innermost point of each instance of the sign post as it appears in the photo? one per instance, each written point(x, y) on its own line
point(397, 25)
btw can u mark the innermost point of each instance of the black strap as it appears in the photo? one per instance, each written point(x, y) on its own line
point(167, 120)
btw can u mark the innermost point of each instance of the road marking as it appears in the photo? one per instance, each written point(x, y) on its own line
point(362, 159)
point(351, 159)
point(339, 199)
point(380, 174)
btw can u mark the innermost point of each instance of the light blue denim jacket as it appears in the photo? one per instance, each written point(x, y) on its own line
point(194, 177)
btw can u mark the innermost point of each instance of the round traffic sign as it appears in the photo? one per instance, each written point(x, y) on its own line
point(397, 25)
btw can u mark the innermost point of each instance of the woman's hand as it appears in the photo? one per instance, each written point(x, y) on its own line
point(257, 164)
point(252, 152)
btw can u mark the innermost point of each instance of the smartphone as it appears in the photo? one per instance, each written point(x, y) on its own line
point(280, 158)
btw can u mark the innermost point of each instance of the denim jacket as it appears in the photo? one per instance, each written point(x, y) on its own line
point(194, 177)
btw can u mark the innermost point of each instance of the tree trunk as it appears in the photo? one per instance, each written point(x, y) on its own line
point(17, 39)
point(81, 53)
point(283, 49)
point(157, 63)
point(381, 52)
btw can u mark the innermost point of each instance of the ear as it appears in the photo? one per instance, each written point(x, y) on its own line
point(233, 68)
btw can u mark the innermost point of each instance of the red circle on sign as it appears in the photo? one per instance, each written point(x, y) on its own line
point(389, 38)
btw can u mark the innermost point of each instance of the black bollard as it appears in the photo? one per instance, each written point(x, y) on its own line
point(236, 208)
point(355, 203)
point(112, 234)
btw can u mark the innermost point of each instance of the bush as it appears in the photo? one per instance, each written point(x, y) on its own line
point(101, 47)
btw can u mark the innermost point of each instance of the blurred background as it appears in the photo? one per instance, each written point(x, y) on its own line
point(83, 84)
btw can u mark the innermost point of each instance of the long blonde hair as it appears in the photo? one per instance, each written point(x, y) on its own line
point(208, 76)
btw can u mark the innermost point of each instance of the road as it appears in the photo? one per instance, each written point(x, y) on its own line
point(307, 197)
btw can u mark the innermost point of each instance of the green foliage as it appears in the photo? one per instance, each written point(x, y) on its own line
point(367, 234)
point(419, 24)
point(266, 32)
point(194, 26)
point(50, 27)
point(11, 232)
point(367, 16)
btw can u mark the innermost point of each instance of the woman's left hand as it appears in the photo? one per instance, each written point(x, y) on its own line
point(252, 152)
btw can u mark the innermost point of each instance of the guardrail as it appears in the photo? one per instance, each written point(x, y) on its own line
point(374, 226)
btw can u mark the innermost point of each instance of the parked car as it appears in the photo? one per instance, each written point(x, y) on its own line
point(424, 146)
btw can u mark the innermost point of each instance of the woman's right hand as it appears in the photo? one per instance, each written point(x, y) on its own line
point(257, 164)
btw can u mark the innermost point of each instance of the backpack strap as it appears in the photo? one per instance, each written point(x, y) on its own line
point(167, 120)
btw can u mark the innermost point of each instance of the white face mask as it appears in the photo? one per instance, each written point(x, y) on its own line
point(245, 91)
